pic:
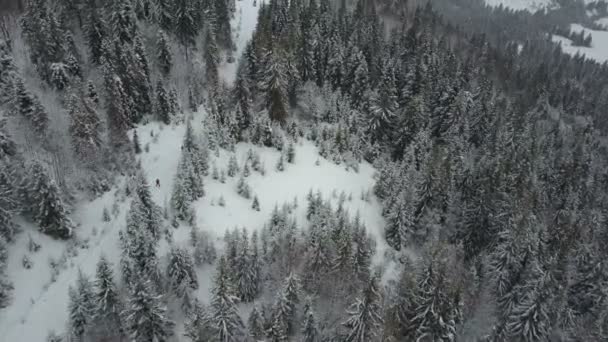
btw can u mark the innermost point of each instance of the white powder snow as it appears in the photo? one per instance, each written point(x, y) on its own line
point(528, 5)
point(599, 45)
point(243, 24)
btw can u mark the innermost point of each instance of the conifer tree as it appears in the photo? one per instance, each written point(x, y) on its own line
point(108, 305)
point(8, 200)
point(273, 86)
point(310, 330)
point(163, 106)
point(136, 145)
point(30, 108)
point(255, 325)
point(225, 319)
point(119, 110)
point(43, 198)
point(185, 22)
point(163, 54)
point(84, 127)
point(180, 272)
point(256, 203)
point(81, 307)
point(212, 58)
point(198, 326)
point(365, 315)
point(145, 315)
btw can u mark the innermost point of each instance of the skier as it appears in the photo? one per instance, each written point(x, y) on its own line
point(157, 183)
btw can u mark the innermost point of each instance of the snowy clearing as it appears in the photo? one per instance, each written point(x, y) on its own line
point(599, 45)
point(42, 303)
point(528, 5)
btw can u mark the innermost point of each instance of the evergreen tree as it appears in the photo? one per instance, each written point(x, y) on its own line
point(256, 203)
point(81, 307)
point(198, 326)
point(180, 272)
point(30, 108)
point(145, 315)
point(310, 331)
point(108, 305)
point(119, 110)
point(273, 86)
point(163, 54)
point(8, 202)
point(43, 198)
point(225, 319)
point(255, 325)
point(186, 25)
point(365, 314)
point(163, 106)
point(84, 127)
point(95, 31)
point(136, 145)
point(212, 58)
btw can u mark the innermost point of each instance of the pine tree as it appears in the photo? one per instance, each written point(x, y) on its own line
point(43, 198)
point(163, 106)
point(212, 58)
point(145, 315)
point(310, 330)
point(84, 127)
point(119, 109)
point(284, 310)
point(95, 31)
point(136, 145)
point(242, 188)
point(365, 314)
point(108, 305)
point(122, 21)
point(29, 107)
point(163, 54)
point(185, 22)
point(81, 307)
point(8, 201)
point(255, 325)
point(224, 315)
point(198, 326)
point(273, 86)
point(6, 286)
point(180, 272)
point(291, 153)
point(256, 203)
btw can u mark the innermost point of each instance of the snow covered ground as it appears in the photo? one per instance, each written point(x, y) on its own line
point(599, 45)
point(528, 5)
point(243, 24)
point(41, 303)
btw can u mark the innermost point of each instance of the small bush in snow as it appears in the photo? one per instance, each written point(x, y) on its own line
point(223, 177)
point(54, 337)
point(105, 216)
point(233, 166)
point(242, 188)
point(215, 174)
point(32, 245)
point(221, 202)
point(246, 171)
point(291, 153)
point(256, 204)
point(26, 262)
point(280, 164)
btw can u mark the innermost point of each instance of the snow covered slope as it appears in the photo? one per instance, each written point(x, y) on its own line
point(42, 303)
point(528, 5)
point(243, 24)
point(599, 45)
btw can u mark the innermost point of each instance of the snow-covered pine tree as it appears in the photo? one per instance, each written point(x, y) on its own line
point(163, 106)
point(119, 107)
point(273, 86)
point(255, 325)
point(6, 286)
point(136, 145)
point(310, 329)
point(365, 315)
point(29, 107)
point(198, 326)
point(84, 127)
point(163, 54)
point(256, 203)
point(108, 305)
point(212, 57)
point(81, 307)
point(242, 188)
point(151, 211)
point(145, 315)
point(233, 166)
point(185, 22)
point(225, 318)
point(46, 206)
point(291, 153)
point(180, 272)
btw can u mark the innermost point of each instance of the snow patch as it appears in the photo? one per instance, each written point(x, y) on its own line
point(599, 45)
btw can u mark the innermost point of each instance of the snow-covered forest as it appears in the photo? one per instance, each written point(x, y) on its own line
point(303, 170)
